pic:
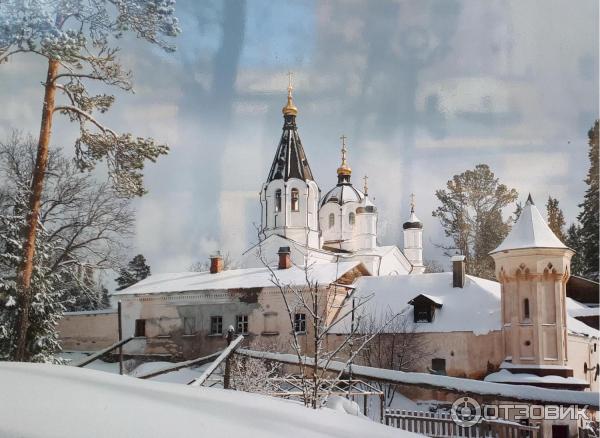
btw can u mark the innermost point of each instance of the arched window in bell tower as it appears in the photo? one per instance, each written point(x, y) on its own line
point(526, 308)
point(331, 220)
point(295, 200)
point(351, 219)
point(277, 201)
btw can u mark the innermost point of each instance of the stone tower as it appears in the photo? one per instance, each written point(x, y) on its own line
point(533, 267)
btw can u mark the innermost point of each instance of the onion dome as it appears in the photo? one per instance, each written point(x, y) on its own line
point(290, 160)
point(344, 191)
point(413, 221)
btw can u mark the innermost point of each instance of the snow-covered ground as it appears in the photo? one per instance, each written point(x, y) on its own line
point(41, 400)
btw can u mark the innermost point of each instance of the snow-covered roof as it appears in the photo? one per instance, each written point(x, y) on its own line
point(575, 309)
point(505, 376)
point(530, 231)
point(43, 400)
point(322, 273)
point(480, 298)
point(436, 300)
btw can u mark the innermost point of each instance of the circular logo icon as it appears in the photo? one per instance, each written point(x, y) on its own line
point(466, 412)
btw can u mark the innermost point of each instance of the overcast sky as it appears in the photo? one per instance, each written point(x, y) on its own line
point(422, 89)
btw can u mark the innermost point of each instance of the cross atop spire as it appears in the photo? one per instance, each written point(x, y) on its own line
point(344, 149)
point(290, 109)
point(344, 170)
point(366, 186)
point(412, 202)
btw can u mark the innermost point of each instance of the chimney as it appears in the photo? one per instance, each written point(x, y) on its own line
point(458, 271)
point(285, 262)
point(216, 263)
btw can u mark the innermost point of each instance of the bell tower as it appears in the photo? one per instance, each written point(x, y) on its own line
point(290, 196)
point(533, 267)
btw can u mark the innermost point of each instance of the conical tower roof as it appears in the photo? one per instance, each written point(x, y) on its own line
point(530, 231)
point(290, 160)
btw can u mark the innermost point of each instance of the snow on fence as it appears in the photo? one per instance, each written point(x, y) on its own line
point(441, 425)
point(501, 391)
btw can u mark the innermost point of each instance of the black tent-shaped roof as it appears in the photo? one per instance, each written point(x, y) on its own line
point(290, 160)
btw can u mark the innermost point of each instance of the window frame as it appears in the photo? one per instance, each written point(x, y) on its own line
point(185, 326)
point(218, 321)
point(300, 323)
point(241, 320)
point(438, 361)
point(277, 200)
point(351, 218)
point(140, 328)
point(526, 310)
point(331, 220)
point(295, 200)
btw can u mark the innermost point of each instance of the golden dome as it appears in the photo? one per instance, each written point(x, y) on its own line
point(290, 109)
point(344, 169)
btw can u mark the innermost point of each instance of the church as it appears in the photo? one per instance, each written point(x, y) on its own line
point(522, 329)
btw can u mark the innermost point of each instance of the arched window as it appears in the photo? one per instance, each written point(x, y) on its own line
point(331, 220)
point(351, 219)
point(526, 308)
point(295, 200)
point(277, 200)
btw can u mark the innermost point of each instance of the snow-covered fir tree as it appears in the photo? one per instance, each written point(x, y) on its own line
point(47, 299)
point(590, 216)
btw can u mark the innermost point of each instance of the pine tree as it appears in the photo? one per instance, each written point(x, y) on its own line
point(136, 270)
point(77, 42)
point(47, 299)
point(573, 241)
point(556, 218)
point(471, 215)
point(589, 217)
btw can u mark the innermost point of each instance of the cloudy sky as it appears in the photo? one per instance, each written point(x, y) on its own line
point(422, 89)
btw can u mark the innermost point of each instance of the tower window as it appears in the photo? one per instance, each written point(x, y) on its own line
point(277, 201)
point(295, 200)
point(331, 220)
point(526, 308)
point(351, 218)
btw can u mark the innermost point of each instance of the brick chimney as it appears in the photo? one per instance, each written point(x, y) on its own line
point(458, 271)
point(285, 262)
point(216, 263)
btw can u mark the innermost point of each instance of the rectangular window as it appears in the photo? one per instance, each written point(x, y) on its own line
point(300, 323)
point(422, 313)
point(140, 327)
point(295, 200)
point(277, 201)
point(241, 324)
point(189, 326)
point(438, 366)
point(216, 325)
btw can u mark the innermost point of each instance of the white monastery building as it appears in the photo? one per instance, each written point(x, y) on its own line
point(521, 329)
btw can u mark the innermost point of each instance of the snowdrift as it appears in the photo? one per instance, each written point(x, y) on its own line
point(41, 400)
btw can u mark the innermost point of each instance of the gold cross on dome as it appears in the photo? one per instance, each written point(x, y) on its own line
point(290, 75)
point(344, 149)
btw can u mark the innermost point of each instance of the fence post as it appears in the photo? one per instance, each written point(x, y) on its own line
point(120, 325)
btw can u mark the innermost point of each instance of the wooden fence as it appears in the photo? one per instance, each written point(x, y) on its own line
point(441, 425)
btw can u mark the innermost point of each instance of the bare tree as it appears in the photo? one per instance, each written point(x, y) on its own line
point(86, 221)
point(396, 345)
point(253, 375)
point(327, 318)
point(78, 42)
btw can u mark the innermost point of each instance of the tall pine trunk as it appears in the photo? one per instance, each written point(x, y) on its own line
point(37, 186)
